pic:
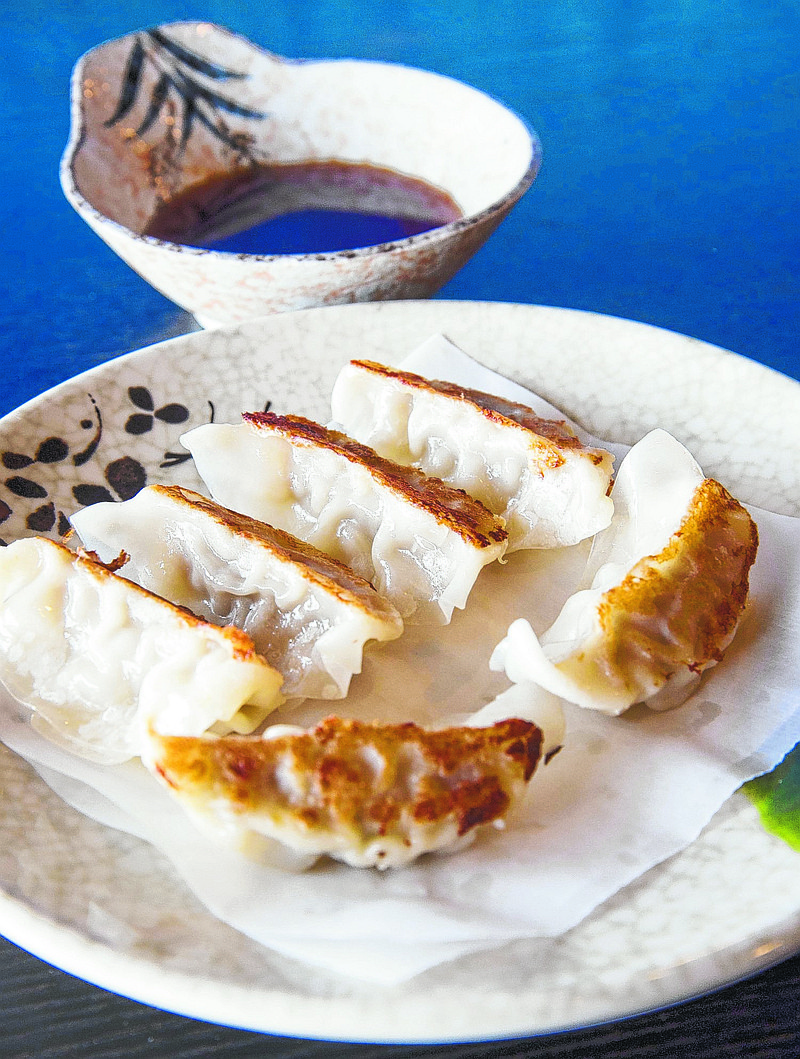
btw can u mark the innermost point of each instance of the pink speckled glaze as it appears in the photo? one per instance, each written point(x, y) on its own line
point(158, 110)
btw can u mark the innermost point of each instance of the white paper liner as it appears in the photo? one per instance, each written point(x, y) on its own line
point(623, 795)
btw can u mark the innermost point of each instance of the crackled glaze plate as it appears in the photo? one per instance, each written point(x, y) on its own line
point(108, 908)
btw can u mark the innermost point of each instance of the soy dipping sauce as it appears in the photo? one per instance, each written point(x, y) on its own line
point(302, 208)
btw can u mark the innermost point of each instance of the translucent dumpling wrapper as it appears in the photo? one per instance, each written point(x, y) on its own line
point(419, 542)
point(550, 489)
point(307, 614)
point(371, 795)
point(96, 656)
point(666, 585)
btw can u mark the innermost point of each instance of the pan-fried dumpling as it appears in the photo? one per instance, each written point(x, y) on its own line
point(535, 473)
point(668, 582)
point(308, 615)
point(371, 795)
point(95, 656)
point(420, 542)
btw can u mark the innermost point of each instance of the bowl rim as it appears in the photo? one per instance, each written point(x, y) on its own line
point(80, 203)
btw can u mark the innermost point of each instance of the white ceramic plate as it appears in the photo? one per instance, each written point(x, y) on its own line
point(109, 909)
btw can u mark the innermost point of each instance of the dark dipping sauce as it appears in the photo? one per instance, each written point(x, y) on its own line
point(302, 208)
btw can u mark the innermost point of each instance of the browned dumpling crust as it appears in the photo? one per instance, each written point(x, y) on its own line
point(420, 542)
point(679, 609)
point(368, 794)
point(549, 488)
point(452, 507)
point(315, 566)
point(96, 656)
point(668, 617)
point(550, 439)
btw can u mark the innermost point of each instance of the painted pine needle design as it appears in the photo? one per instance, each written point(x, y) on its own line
point(190, 79)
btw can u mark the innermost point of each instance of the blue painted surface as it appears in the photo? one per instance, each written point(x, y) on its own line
point(669, 191)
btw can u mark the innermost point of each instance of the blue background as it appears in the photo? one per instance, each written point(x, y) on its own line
point(669, 190)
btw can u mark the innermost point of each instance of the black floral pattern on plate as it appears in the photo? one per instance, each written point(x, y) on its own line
point(142, 422)
point(121, 478)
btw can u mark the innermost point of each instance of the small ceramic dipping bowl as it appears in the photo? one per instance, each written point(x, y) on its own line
point(186, 133)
